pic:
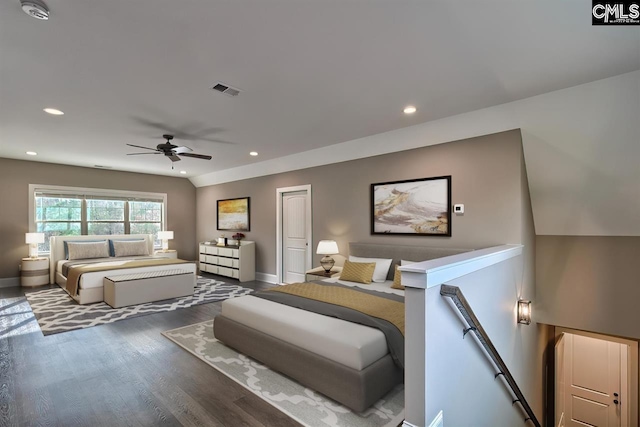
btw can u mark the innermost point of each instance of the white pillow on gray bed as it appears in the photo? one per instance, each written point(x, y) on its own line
point(80, 250)
point(130, 248)
point(381, 270)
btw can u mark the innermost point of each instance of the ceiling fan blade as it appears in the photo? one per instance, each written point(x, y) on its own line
point(140, 146)
point(174, 158)
point(135, 154)
point(181, 150)
point(196, 156)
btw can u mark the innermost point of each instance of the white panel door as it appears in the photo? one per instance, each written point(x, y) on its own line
point(593, 394)
point(294, 236)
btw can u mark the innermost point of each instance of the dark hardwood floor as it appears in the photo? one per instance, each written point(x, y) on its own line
point(122, 374)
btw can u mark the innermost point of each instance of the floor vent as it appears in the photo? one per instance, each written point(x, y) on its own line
point(226, 89)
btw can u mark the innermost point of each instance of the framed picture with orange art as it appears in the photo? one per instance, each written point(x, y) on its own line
point(233, 214)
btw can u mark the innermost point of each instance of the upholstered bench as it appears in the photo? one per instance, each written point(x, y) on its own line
point(138, 288)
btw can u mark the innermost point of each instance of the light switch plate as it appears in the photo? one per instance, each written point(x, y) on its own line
point(458, 209)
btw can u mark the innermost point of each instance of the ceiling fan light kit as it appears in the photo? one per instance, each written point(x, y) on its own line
point(173, 152)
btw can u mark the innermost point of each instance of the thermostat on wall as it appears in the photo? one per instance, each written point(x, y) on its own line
point(458, 209)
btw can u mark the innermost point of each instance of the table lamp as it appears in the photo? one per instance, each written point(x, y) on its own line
point(326, 248)
point(165, 236)
point(33, 239)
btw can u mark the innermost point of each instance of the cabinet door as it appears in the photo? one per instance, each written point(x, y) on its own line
point(225, 252)
point(236, 263)
point(203, 258)
point(227, 262)
point(224, 271)
point(203, 249)
point(211, 250)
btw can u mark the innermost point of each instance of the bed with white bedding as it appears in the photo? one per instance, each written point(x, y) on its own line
point(90, 284)
point(347, 361)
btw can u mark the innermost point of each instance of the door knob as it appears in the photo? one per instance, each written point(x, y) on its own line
point(615, 394)
point(616, 401)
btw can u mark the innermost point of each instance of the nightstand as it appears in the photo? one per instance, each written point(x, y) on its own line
point(169, 253)
point(318, 273)
point(34, 272)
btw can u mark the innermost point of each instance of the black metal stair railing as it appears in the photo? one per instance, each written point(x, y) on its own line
point(460, 301)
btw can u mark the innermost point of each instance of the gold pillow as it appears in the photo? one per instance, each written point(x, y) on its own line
point(397, 279)
point(360, 272)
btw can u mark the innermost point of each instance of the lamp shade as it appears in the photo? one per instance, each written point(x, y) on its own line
point(165, 235)
point(34, 238)
point(327, 247)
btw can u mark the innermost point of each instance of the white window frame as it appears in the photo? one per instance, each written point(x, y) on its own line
point(93, 192)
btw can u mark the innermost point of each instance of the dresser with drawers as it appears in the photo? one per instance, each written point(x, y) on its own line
point(238, 262)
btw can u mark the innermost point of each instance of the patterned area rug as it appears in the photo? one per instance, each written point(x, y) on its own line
point(57, 312)
point(300, 403)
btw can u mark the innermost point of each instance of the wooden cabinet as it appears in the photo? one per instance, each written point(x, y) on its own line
point(238, 262)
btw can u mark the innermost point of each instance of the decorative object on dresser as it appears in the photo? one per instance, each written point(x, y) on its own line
point(33, 239)
point(34, 271)
point(326, 248)
point(238, 262)
point(412, 207)
point(238, 237)
point(319, 273)
point(56, 312)
point(165, 236)
point(297, 401)
point(233, 214)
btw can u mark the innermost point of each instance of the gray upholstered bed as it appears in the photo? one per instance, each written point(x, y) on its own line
point(345, 361)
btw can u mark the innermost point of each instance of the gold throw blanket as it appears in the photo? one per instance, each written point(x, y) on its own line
point(381, 308)
point(73, 278)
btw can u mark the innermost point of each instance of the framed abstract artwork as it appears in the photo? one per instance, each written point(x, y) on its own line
point(412, 207)
point(233, 214)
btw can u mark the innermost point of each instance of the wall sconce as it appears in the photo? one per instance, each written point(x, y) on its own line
point(165, 236)
point(326, 248)
point(524, 312)
point(33, 239)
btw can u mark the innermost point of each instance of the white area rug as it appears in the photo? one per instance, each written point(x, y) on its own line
point(300, 403)
point(57, 312)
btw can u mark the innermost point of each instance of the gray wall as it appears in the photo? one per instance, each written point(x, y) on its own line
point(590, 283)
point(16, 175)
point(487, 176)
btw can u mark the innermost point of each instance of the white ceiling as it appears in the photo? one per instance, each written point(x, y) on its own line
point(313, 73)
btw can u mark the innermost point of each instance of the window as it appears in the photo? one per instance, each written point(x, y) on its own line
point(61, 211)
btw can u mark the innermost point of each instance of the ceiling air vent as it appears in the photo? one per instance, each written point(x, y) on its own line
point(226, 89)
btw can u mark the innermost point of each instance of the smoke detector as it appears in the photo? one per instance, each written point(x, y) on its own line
point(36, 9)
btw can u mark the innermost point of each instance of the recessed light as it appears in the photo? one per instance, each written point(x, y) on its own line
point(410, 109)
point(53, 111)
point(253, 153)
point(183, 172)
point(32, 153)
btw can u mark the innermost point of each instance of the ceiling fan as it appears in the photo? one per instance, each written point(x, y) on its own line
point(173, 152)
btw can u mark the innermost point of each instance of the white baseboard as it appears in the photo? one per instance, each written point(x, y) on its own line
point(9, 282)
point(266, 277)
point(406, 424)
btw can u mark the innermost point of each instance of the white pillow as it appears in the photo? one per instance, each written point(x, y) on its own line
point(382, 267)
